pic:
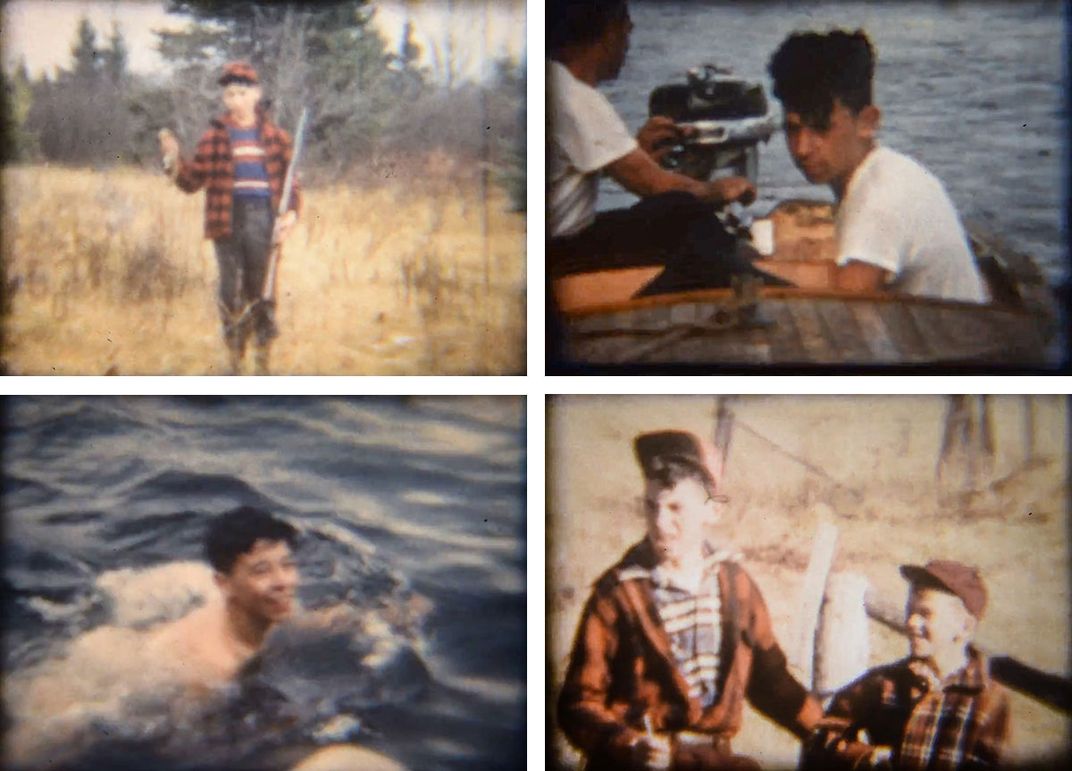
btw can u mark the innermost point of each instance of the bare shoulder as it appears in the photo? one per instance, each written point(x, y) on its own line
point(338, 756)
point(194, 648)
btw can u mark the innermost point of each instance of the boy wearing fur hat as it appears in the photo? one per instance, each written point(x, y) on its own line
point(936, 709)
point(676, 636)
point(241, 161)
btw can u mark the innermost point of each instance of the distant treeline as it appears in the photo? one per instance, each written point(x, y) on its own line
point(368, 107)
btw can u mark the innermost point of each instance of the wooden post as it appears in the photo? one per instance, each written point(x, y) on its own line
point(802, 648)
point(842, 645)
point(1029, 429)
point(966, 458)
point(723, 431)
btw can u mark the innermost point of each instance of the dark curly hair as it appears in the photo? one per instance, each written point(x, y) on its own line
point(575, 22)
point(811, 69)
point(233, 533)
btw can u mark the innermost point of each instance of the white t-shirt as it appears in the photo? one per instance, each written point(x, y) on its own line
point(584, 135)
point(895, 214)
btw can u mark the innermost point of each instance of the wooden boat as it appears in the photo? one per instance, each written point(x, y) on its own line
point(812, 324)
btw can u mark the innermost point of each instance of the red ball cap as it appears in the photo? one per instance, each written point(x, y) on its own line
point(953, 577)
point(239, 72)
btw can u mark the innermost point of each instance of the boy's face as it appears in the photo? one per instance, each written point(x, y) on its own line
point(829, 155)
point(241, 99)
point(677, 518)
point(262, 581)
point(938, 623)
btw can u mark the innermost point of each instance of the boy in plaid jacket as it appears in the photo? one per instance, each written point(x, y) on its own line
point(241, 161)
point(676, 637)
point(937, 709)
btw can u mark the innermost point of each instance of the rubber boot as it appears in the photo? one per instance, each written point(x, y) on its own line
point(234, 359)
point(260, 360)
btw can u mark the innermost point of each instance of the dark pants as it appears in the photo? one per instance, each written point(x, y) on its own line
point(675, 230)
point(243, 260)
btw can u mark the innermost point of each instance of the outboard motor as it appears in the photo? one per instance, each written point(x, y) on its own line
point(730, 116)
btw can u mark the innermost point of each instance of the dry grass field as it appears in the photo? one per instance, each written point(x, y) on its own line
point(872, 462)
point(107, 273)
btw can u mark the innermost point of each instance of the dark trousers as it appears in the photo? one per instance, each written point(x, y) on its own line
point(243, 262)
point(675, 230)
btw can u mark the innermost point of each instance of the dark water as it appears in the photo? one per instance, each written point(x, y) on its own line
point(397, 498)
point(974, 90)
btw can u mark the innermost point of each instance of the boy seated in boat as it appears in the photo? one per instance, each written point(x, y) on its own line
point(673, 226)
point(896, 228)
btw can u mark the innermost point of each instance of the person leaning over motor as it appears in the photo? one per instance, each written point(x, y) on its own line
point(674, 225)
point(241, 161)
point(937, 709)
point(895, 225)
point(676, 636)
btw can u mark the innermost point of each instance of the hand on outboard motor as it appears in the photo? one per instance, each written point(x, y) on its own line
point(660, 135)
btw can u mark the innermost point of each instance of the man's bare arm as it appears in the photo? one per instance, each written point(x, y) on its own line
point(638, 173)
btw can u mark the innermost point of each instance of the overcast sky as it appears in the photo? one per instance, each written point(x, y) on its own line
point(43, 31)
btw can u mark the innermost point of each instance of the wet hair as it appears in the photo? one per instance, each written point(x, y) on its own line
point(233, 533)
point(668, 472)
point(811, 69)
point(576, 22)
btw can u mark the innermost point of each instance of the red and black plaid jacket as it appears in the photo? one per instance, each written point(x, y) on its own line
point(622, 668)
point(213, 169)
point(959, 724)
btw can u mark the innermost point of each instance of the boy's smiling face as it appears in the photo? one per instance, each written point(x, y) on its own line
point(241, 99)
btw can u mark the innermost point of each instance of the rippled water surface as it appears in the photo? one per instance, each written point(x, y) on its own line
point(413, 502)
point(974, 90)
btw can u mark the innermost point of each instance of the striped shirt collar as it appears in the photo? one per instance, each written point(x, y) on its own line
point(649, 570)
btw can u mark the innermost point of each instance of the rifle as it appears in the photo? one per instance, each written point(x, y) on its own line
point(288, 184)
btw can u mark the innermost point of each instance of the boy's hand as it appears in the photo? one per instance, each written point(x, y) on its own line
point(652, 753)
point(169, 151)
point(729, 189)
point(283, 226)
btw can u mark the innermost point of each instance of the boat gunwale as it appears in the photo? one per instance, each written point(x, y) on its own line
point(791, 293)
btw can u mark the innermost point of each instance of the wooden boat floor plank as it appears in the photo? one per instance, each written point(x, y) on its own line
point(818, 347)
point(786, 345)
point(910, 339)
point(883, 349)
point(842, 328)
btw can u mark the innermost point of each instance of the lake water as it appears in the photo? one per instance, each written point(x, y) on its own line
point(415, 502)
point(973, 90)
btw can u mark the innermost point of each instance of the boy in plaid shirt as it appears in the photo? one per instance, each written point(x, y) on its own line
point(241, 161)
point(937, 709)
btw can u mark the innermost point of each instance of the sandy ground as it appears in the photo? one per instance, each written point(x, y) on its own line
point(107, 273)
point(873, 465)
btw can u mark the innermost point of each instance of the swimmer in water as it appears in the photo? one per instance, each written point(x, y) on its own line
point(257, 575)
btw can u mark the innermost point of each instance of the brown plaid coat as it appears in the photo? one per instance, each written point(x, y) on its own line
point(213, 168)
point(622, 668)
point(961, 723)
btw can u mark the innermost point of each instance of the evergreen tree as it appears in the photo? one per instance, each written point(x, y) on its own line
point(86, 56)
point(116, 56)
